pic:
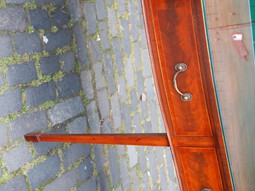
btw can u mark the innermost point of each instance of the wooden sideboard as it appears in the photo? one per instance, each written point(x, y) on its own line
point(176, 35)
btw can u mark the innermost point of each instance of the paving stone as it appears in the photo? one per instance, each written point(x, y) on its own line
point(65, 182)
point(145, 182)
point(99, 157)
point(86, 168)
point(95, 52)
point(93, 118)
point(90, 16)
point(17, 183)
point(144, 110)
point(1, 80)
point(50, 65)
point(59, 18)
point(82, 51)
point(150, 89)
point(21, 73)
point(132, 154)
point(43, 148)
point(112, 22)
point(147, 127)
point(134, 100)
point(99, 76)
point(65, 110)
point(107, 126)
point(114, 167)
point(36, 96)
point(154, 117)
point(103, 182)
point(103, 103)
point(125, 36)
point(143, 40)
point(153, 167)
point(58, 40)
point(159, 154)
point(17, 157)
point(1, 172)
point(70, 85)
point(135, 180)
point(121, 7)
point(90, 184)
point(27, 43)
point(163, 180)
point(134, 21)
point(5, 48)
point(28, 123)
point(86, 82)
point(4, 134)
point(101, 10)
point(104, 35)
point(125, 113)
point(79, 125)
point(75, 10)
point(68, 61)
point(137, 123)
point(110, 2)
point(129, 73)
point(137, 54)
point(122, 89)
point(146, 61)
point(12, 19)
point(10, 102)
point(142, 159)
point(17, 1)
point(39, 19)
point(38, 175)
point(121, 149)
point(47, 2)
point(116, 113)
point(74, 152)
point(118, 55)
point(124, 174)
point(140, 82)
point(109, 72)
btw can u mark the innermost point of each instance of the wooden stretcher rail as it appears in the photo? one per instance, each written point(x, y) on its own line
point(144, 139)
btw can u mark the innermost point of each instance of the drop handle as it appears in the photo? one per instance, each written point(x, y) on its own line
point(181, 67)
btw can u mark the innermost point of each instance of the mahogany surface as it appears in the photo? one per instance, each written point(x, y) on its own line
point(176, 34)
point(144, 139)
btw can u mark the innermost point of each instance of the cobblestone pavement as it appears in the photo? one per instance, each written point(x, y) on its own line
point(77, 67)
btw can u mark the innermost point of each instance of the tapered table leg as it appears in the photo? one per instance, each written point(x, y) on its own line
point(144, 139)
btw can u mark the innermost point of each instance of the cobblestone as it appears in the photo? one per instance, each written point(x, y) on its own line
point(109, 72)
point(132, 156)
point(86, 81)
point(59, 18)
point(39, 19)
point(17, 157)
point(95, 52)
point(122, 89)
point(75, 9)
point(27, 43)
point(90, 184)
point(38, 175)
point(101, 10)
point(39, 95)
point(1, 80)
point(125, 36)
point(93, 118)
point(10, 102)
point(5, 48)
point(104, 35)
point(99, 157)
point(137, 54)
point(65, 110)
point(112, 22)
point(12, 19)
point(50, 65)
point(57, 3)
point(90, 16)
point(142, 159)
point(99, 77)
point(124, 174)
point(69, 86)
point(74, 152)
point(125, 115)
point(103, 182)
point(68, 61)
point(129, 73)
point(27, 123)
point(114, 167)
point(135, 180)
point(58, 39)
point(82, 50)
point(103, 103)
point(86, 168)
point(17, 1)
point(18, 183)
point(4, 132)
point(121, 7)
point(21, 73)
point(116, 113)
point(118, 55)
point(65, 182)
point(79, 125)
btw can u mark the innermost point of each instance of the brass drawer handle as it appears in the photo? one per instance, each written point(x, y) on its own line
point(206, 189)
point(181, 67)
